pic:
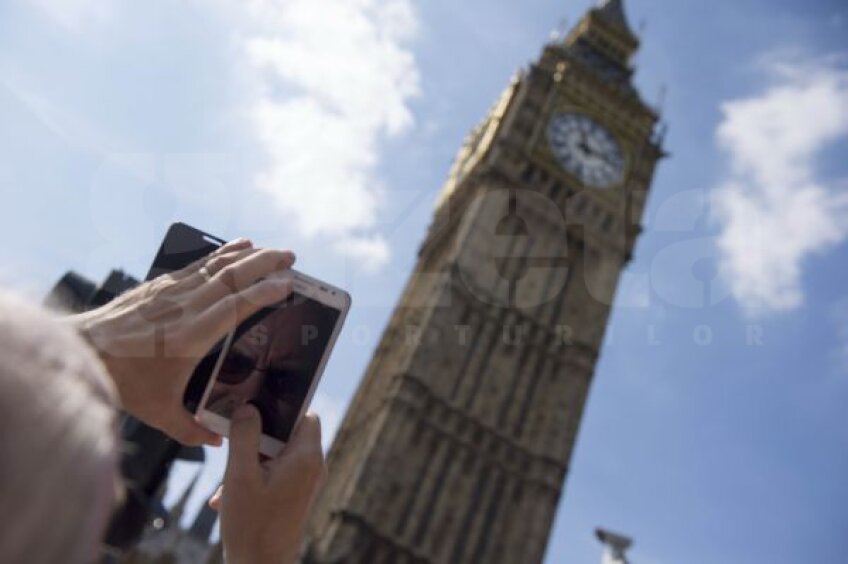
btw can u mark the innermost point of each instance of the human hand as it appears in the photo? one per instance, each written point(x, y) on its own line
point(264, 505)
point(151, 338)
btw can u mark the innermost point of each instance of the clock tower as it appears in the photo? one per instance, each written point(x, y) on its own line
point(458, 441)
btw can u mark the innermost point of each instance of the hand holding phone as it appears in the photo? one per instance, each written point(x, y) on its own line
point(275, 359)
point(152, 338)
point(264, 505)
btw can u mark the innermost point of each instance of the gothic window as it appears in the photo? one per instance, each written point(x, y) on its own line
point(555, 189)
point(417, 432)
point(467, 462)
point(581, 205)
point(517, 493)
point(478, 436)
point(523, 128)
point(529, 173)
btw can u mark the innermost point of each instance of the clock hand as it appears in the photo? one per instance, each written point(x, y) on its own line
point(604, 156)
point(584, 144)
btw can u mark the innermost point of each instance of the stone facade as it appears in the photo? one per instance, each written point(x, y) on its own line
point(457, 443)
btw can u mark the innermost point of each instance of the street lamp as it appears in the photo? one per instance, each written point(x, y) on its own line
point(615, 546)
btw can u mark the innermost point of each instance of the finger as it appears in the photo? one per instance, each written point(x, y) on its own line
point(242, 274)
point(304, 445)
point(213, 265)
point(188, 431)
point(307, 435)
point(216, 264)
point(236, 245)
point(239, 243)
point(216, 499)
point(243, 458)
point(211, 325)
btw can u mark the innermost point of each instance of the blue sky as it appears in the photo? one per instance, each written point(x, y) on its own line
point(716, 430)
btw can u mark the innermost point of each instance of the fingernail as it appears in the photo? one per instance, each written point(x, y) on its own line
point(240, 241)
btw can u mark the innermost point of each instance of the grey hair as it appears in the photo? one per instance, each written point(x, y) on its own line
point(58, 452)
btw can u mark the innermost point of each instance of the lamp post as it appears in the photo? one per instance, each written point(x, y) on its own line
point(615, 546)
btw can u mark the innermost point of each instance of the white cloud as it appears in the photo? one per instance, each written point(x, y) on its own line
point(322, 84)
point(369, 252)
point(331, 79)
point(773, 209)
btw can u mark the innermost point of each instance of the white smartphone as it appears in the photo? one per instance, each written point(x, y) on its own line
point(275, 359)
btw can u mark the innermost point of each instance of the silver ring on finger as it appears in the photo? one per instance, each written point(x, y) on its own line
point(204, 272)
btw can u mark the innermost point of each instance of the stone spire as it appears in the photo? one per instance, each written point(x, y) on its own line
point(203, 524)
point(216, 556)
point(603, 41)
point(178, 509)
point(612, 11)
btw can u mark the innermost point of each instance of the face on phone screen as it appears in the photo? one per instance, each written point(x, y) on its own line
point(272, 361)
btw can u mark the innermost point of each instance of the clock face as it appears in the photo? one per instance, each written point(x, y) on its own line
point(586, 149)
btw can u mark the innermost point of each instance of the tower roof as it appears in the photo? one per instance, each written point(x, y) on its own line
point(612, 11)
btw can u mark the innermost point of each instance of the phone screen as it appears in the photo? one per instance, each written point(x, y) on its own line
point(272, 362)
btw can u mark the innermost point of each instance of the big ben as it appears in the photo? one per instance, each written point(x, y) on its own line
point(458, 441)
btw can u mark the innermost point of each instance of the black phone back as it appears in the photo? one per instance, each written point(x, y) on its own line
point(182, 246)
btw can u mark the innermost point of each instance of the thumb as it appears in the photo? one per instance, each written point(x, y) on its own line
point(245, 430)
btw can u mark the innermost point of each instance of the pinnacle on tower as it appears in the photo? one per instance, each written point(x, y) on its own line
point(178, 509)
point(603, 40)
point(612, 11)
point(203, 524)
